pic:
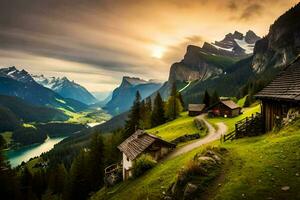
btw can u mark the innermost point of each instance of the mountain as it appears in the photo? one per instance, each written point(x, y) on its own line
point(271, 54)
point(19, 83)
point(124, 95)
point(30, 113)
point(281, 45)
point(234, 45)
point(209, 62)
point(66, 88)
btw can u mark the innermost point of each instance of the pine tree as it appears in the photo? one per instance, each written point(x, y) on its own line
point(181, 99)
point(173, 106)
point(158, 113)
point(146, 110)
point(206, 98)
point(78, 186)
point(134, 118)
point(95, 165)
point(9, 187)
point(39, 185)
point(57, 179)
point(26, 184)
point(214, 98)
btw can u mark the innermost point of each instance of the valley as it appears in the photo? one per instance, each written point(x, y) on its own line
point(150, 100)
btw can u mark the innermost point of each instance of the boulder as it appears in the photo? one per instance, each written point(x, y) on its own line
point(189, 190)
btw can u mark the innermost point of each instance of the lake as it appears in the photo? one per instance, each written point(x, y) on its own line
point(16, 157)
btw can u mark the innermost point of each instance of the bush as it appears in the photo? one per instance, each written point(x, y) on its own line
point(142, 164)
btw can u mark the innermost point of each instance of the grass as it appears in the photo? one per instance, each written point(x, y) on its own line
point(258, 167)
point(149, 186)
point(179, 127)
point(86, 116)
point(7, 136)
point(25, 125)
point(60, 101)
point(230, 122)
point(241, 101)
point(254, 168)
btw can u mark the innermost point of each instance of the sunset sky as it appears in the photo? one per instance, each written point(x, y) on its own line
point(96, 42)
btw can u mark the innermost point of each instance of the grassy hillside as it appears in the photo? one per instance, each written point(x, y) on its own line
point(270, 164)
point(254, 169)
point(156, 181)
point(179, 127)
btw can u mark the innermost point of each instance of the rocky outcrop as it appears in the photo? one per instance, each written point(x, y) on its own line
point(281, 45)
point(193, 178)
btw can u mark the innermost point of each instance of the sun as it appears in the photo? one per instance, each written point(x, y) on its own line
point(158, 52)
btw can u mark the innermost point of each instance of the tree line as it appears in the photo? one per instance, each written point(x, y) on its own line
point(144, 114)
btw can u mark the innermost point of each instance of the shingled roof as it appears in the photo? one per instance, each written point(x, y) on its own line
point(138, 142)
point(196, 107)
point(286, 86)
point(230, 104)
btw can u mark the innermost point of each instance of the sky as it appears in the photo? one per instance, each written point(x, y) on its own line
point(96, 42)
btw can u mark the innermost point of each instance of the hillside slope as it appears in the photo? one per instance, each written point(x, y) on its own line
point(255, 161)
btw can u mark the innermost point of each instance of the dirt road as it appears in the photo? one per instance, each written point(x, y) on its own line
point(212, 135)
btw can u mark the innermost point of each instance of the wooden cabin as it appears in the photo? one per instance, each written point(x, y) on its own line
point(225, 108)
point(281, 98)
point(196, 109)
point(142, 143)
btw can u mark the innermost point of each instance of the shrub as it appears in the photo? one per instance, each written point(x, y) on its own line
point(142, 164)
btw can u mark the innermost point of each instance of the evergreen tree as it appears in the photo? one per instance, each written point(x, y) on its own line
point(146, 111)
point(173, 106)
point(206, 98)
point(26, 184)
point(39, 185)
point(158, 113)
point(181, 99)
point(57, 179)
point(95, 165)
point(79, 185)
point(214, 98)
point(134, 118)
point(9, 187)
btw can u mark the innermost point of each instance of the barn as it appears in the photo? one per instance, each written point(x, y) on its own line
point(225, 108)
point(140, 143)
point(196, 109)
point(281, 98)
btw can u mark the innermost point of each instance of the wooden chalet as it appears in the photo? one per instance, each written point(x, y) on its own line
point(281, 98)
point(225, 108)
point(139, 143)
point(196, 109)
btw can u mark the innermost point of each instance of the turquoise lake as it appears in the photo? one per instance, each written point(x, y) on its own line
point(16, 157)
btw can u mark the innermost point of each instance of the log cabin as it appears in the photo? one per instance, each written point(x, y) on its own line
point(142, 143)
point(225, 108)
point(280, 99)
point(196, 109)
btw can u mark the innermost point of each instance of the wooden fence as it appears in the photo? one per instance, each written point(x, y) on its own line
point(247, 127)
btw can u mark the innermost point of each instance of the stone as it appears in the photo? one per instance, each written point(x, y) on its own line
point(297, 174)
point(189, 189)
point(285, 188)
point(208, 159)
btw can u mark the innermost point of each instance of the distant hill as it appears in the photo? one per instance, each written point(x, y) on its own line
point(66, 88)
point(30, 113)
point(18, 83)
point(8, 120)
point(124, 95)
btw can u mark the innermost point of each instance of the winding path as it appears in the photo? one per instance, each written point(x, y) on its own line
point(213, 134)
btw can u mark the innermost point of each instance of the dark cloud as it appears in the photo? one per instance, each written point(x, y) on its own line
point(251, 10)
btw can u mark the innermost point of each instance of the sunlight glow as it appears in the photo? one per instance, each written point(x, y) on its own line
point(158, 52)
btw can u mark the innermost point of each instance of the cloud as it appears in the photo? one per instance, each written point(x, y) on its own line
point(251, 10)
point(102, 40)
